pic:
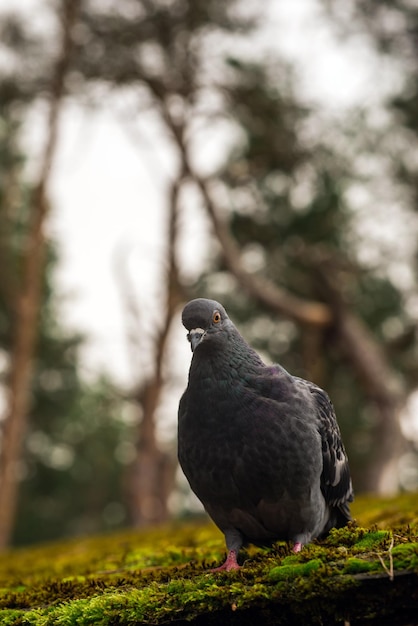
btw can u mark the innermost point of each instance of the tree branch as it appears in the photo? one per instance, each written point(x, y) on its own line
point(379, 380)
point(151, 477)
point(261, 289)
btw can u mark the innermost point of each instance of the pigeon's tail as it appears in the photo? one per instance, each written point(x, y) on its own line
point(342, 515)
point(339, 516)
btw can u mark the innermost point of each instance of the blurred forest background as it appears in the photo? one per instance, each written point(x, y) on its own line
point(310, 219)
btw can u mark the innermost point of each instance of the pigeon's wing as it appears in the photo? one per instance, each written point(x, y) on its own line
point(335, 479)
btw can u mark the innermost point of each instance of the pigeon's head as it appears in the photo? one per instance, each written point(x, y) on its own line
point(205, 320)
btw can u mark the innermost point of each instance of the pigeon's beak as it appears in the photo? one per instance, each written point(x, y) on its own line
point(195, 336)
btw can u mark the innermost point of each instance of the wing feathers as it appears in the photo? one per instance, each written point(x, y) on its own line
point(335, 479)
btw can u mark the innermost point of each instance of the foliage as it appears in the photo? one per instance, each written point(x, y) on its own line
point(287, 188)
point(290, 212)
point(162, 576)
point(77, 449)
point(77, 444)
point(73, 428)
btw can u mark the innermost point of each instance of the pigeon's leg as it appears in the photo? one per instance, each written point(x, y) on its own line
point(234, 542)
point(230, 563)
point(299, 540)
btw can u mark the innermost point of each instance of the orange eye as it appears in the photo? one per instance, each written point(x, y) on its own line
point(216, 317)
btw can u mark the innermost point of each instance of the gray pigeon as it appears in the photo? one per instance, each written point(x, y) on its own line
point(260, 448)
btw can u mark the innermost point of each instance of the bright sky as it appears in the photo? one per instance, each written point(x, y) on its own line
point(107, 210)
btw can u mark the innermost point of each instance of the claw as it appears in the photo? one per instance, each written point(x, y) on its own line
point(230, 563)
point(297, 547)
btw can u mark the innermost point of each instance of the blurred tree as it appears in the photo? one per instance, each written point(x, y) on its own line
point(392, 30)
point(26, 302)
point(77, 447)
point(161, 52)
point(289, 251)
point(76, 439)
point(292, 225)
point(64, 443)
point(389, 147)
point(288, 191)
point(151, 475)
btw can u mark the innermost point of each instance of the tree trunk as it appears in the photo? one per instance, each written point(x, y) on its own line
point(28, 303)
point(151, 476)
point(383, 388)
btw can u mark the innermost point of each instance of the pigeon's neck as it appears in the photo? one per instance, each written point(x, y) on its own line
point(220, 379)
point(231, 358)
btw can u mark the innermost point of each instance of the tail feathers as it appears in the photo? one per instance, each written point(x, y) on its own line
point(339, 517)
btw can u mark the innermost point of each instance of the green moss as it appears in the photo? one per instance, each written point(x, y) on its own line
point(161, 576)
point(373, 540)
point(354, 565)
point(405, 556)
point(287, 571)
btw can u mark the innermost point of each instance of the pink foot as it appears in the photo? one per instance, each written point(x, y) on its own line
point(297, 547)
point(230, 563)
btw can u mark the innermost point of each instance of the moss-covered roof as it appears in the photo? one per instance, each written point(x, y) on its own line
point(366, 573)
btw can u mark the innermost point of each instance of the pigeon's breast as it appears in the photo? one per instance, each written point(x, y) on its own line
point(237, 447)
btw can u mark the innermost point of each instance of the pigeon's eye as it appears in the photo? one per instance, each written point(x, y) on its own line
point(216, 317)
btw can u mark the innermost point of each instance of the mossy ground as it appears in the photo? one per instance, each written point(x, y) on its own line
point(366, 573)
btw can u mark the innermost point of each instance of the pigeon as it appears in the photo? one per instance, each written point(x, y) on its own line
point(260, 448)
